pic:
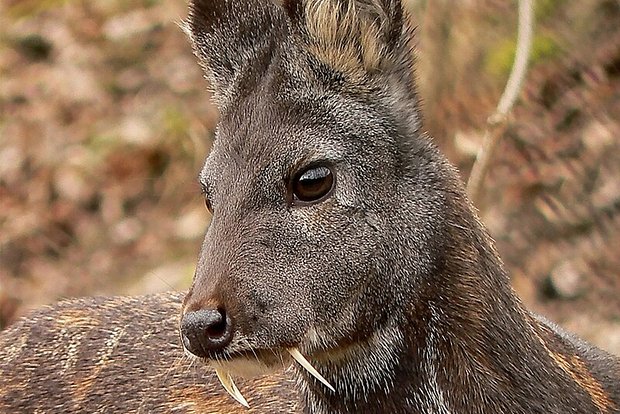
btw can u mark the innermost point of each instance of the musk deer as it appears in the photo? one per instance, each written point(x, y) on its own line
point(341, 239)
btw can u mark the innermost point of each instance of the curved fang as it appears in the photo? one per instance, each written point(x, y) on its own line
point(297, 356)
point(230, 386)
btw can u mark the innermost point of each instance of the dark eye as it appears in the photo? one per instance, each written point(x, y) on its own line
point(312, 184)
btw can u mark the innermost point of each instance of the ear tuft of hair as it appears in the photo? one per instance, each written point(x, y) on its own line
point(356, 37)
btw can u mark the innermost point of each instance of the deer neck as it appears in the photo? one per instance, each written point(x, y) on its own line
point(458, 346)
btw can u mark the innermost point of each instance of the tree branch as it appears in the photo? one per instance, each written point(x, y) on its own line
point(496, 124)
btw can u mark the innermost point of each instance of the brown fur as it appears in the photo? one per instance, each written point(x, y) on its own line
point(574, 367)
point(122, 356)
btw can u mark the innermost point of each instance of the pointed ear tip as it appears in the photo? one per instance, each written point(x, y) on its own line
point(203, 14)
point(206, 8)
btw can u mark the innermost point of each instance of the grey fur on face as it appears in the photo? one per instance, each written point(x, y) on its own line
point(282, 111)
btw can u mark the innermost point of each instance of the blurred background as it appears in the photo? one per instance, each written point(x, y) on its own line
point(105, 122)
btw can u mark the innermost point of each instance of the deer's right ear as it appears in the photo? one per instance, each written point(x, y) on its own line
point(234, 41)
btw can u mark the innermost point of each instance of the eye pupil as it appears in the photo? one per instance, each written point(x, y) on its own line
point(313, 184)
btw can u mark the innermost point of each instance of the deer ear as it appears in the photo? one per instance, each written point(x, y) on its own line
point(234, 41)
point(352, 36)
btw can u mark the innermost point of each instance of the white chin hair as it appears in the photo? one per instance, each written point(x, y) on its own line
point(244, 367)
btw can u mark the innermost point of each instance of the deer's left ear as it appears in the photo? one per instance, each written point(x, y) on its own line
point(352, 36)
point(234, 41)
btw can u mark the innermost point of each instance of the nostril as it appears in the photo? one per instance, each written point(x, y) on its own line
point(206, 330)
point(218, 328)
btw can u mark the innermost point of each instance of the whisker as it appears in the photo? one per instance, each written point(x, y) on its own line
point(174, 366)
point(252, 349)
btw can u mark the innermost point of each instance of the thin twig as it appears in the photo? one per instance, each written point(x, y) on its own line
point(496, 124)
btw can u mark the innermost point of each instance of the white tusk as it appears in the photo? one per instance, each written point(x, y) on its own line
point(230, 386)
point(297, 356)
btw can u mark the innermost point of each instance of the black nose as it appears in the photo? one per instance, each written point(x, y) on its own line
point(206, 330)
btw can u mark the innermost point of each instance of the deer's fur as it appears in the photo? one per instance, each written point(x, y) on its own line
point(118, 355)
point(390, 286)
